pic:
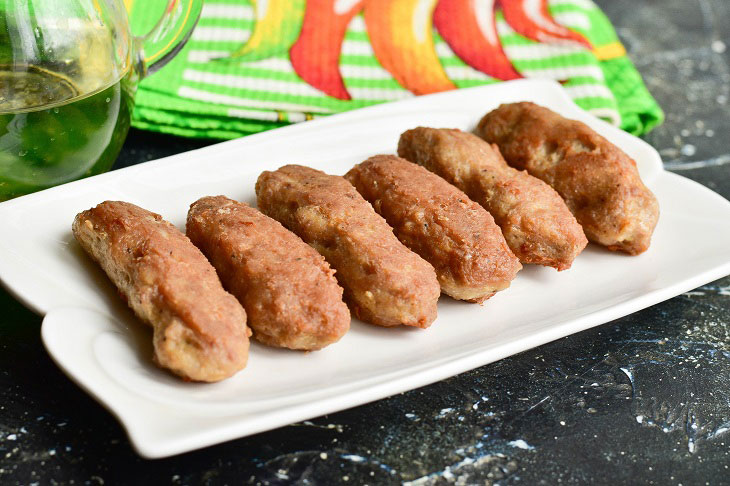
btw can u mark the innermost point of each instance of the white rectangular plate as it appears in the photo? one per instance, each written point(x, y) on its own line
point(100, 345)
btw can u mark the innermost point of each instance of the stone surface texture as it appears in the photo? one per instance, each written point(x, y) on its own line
point(644, 399)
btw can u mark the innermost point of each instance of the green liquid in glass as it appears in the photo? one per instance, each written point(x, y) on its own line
point(51, 134)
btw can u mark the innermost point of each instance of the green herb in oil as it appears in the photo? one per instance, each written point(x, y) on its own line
point(50, 133)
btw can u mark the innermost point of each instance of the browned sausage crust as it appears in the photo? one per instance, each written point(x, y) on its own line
point(289, 291)
point(200, 329)
point(598, 181)
point(538, 226)
point(439, 222)
point(385, 283)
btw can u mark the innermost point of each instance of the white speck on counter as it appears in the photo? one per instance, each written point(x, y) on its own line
point(354, 458)
point(444, 412)
point(521, 444)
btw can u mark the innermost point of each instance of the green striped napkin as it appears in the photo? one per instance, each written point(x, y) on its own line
point(253, 65)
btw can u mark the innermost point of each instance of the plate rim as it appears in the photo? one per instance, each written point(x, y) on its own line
point(149, 448)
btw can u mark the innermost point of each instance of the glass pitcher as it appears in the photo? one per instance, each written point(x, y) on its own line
point(68, 74)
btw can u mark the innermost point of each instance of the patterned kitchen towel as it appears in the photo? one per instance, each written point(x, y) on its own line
point(252, 65)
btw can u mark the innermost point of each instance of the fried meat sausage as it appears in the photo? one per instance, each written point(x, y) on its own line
point(385, 283)
point(288, 290)
point(535, 221)
point(439, 222)
point(200, 329)
point(598, 181)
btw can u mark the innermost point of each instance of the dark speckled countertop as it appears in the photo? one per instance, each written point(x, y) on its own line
point(644, 399)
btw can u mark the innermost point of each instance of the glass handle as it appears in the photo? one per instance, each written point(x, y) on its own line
point(170, 34)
